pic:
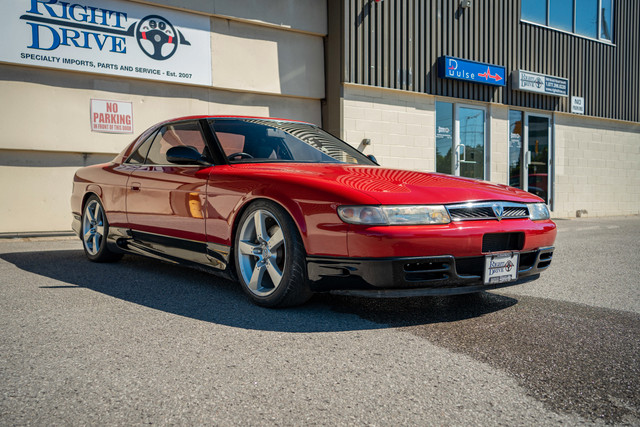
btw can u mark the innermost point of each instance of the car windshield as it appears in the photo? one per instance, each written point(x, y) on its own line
point(263, 140)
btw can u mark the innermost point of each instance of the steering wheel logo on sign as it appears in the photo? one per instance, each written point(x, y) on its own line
point(157, 38)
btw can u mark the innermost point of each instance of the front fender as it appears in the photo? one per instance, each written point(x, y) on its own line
point(321, 230)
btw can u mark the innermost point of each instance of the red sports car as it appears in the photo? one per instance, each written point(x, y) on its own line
point(288, 210)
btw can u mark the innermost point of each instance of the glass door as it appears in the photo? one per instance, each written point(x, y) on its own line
point(460, 140)
point(469, 142)
point(537, 155)
point(530, 153)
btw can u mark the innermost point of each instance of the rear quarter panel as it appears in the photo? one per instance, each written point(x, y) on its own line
point(108, 181)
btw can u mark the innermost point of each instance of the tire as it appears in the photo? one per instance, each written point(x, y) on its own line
point(270, 258)
point(95, 229)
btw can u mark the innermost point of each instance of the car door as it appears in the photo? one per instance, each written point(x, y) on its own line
point(165, 202)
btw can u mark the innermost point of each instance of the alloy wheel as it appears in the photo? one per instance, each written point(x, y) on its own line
point(261, 252)
point(93, 227)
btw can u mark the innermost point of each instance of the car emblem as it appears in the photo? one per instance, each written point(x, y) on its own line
point(498, 210)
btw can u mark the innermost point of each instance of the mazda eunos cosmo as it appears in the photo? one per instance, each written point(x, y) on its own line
point(287, 210)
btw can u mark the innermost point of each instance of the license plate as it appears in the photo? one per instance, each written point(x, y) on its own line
point(501, 267)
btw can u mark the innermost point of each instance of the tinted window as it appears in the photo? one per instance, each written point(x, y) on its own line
point(534, 11)
point(575, 16)
point(250, 140)
point(605, 20)
point(172, 136)
point(561, 14)
point(444, 136)
point(587, 18)
point(138, 156)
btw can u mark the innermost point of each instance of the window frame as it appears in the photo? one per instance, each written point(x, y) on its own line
point(599, 38)
point(157, 132)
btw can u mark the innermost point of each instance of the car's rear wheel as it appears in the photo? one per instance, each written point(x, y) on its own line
point(270, 257)
point(95, 229)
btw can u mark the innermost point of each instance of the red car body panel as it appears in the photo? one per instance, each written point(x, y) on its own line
point(311, 194)
point(203, 204)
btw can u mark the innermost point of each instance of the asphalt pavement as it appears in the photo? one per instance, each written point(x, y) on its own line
point(146, 342)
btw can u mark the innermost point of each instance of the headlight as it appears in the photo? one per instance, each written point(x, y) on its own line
point(394, 215)
point(538, 211)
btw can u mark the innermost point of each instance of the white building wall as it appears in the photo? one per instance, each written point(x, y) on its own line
point(267, 60)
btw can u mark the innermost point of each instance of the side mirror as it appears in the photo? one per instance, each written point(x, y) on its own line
point(373, 159)
point(186, 155)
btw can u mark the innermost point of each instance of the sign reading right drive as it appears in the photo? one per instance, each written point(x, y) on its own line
point(501, 268)
point(539, 83)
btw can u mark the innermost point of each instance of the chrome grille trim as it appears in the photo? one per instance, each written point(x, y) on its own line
point(476, 211)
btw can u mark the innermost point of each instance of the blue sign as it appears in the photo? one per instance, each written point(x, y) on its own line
point(471, 71)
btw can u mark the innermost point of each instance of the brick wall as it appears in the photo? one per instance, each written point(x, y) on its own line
point(597, 166)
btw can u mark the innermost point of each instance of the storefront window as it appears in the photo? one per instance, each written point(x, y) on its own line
point(515, 148)
point(444, 136)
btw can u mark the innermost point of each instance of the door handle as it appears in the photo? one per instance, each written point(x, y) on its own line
point(527, 159)
point(135, 186)
point(461, 152)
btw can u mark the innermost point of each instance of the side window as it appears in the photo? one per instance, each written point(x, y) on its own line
point(231, 142)
point(138, 156)
point(173, 136)
point(251, 139)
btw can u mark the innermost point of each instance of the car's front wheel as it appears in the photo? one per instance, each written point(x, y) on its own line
point(270, 257)
point(95, 229)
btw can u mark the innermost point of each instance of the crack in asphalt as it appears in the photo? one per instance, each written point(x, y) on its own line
point(573, 358)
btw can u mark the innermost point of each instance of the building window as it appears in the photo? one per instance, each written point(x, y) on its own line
point(589, 18)
point(515, 148)
point(444, 136)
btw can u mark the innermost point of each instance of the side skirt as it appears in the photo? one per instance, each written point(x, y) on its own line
point(171, 249)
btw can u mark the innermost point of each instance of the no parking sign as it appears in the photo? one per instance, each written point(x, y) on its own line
point(111, 116)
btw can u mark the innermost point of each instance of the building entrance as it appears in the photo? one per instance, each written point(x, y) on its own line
point(461, 140)
point(530, 153)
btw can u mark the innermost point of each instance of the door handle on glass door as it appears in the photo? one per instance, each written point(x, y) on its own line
point(527, 159)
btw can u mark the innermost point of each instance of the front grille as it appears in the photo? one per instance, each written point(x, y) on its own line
point(496, 242)
point(487, 210)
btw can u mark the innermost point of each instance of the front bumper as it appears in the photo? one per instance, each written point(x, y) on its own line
point(414, 276)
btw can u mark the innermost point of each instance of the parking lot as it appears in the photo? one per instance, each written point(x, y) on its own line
point(146, 342)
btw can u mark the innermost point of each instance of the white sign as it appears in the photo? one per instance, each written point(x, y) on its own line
point(111, 116)
point(112, 37)
point(577, 105)
point(540, 83)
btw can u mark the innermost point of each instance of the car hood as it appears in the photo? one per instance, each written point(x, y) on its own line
point(395, 186)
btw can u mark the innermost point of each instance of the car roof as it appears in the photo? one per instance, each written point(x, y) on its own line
point(200, 117)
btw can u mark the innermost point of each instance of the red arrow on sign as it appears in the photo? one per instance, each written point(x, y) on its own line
point(487, 75)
